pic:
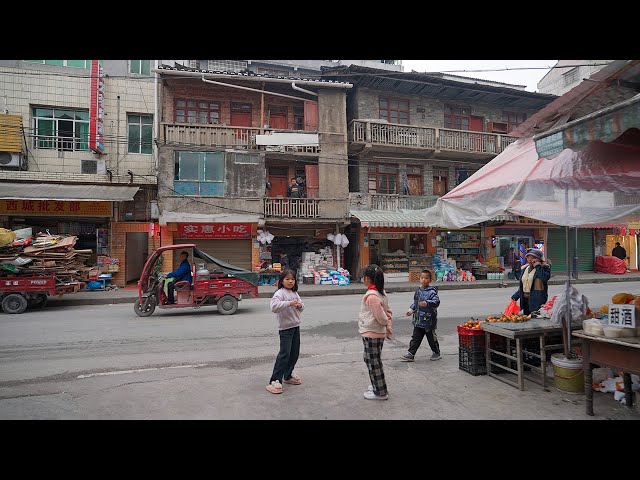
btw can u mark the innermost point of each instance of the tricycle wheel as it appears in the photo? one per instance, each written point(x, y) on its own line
point(227, 305)
point(14, 303)
point(147, 307)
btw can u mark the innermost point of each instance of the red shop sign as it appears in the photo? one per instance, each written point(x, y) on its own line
point(214, 230)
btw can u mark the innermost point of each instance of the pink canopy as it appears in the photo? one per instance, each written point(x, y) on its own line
point(591, 187)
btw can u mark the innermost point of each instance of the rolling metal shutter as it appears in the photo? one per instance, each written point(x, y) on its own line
point(235, 252)
point(557, 254)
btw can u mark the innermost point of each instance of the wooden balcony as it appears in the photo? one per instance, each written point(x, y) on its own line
point(305, 208)
point(395, 203)
point(461, 143)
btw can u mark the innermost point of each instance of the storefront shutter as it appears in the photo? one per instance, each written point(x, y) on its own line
point(557, 253)
point(235, 252)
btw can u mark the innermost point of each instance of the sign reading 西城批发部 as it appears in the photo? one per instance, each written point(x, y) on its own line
point(55, 207)
point(623, 315)
point(214, 230)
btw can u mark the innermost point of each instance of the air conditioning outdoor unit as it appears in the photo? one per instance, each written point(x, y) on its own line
point(94, 167)
point(10, 159)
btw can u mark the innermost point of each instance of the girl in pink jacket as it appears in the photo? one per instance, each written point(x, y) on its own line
point(374, 325)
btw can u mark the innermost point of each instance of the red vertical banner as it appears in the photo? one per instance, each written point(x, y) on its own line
point(96, 111)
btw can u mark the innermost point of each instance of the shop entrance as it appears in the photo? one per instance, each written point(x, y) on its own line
point(512, 248)
point(137, 251)
point(628, 242)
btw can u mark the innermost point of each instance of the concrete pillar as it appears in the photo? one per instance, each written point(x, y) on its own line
point(332, 161)
point(427, 180)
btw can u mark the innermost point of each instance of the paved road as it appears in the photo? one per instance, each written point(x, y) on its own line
point(105, 362)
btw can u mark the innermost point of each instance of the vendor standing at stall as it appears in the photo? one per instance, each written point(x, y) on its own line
point(534, 289)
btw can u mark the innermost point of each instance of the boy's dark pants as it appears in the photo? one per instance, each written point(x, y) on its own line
point(418, 335)
point(288, 355)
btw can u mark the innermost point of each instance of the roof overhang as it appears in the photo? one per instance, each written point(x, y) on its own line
point(77, 193)
point(168, 216)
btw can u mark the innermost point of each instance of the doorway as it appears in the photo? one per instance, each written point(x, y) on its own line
point(628, 242)
point(278, 178)
point(512, 248)
point(240, 114)
point(137, 251)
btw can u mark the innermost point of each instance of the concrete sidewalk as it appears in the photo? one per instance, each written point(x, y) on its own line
point(129, 295)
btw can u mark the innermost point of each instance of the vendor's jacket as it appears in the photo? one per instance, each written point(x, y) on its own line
point(426, 317)
point(539, 288)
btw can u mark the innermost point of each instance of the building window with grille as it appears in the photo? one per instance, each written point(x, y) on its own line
point(383, 178)
point(140, 67)
point(440, 181)
point(463, 173)
point(394, 110)
point(414, 180)
point(61, 129)
point(456, 117)
point(513, 119)
point(65, 63)
point(197, 111)
point(140, 134)
point(298, 117)
point(199, 173)
point(571, 76)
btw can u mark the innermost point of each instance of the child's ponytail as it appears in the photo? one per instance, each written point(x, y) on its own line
point(375, 273)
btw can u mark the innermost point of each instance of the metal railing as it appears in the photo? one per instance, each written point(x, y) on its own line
point(292, 207)
point(390, 202)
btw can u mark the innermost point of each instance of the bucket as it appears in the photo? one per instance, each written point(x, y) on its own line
point(568, 374)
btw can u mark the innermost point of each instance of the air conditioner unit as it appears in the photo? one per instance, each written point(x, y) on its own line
point(10, 159)
point(94, 167)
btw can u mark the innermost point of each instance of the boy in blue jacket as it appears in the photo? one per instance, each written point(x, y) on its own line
point(425, 318)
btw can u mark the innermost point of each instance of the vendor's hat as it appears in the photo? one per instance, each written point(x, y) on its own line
point(534, 252)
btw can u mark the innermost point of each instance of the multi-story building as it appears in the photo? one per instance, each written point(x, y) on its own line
point(77, 155)
point(412, 138)
point(566, 74)
point(229, 145)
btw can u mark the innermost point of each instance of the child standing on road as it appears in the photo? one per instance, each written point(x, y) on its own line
point(287, 305)
point(425, 318)
point(374, 324)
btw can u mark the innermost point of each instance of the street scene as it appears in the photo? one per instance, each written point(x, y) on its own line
point(319, 239)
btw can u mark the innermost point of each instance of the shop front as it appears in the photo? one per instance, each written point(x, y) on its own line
point(628, 239)
point(556, 251)
point(462, 245)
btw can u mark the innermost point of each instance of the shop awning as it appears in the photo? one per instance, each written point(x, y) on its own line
point(76, 193)
point(377, 218)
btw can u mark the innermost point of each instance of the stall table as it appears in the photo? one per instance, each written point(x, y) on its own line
point(621, 354)
point(535, 328)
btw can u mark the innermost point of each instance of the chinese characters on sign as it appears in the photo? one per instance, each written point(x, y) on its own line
point(55, 207)
point(622, 315)
point(96, 112)
point(214, 230)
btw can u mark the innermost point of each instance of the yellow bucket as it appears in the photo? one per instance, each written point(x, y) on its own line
point(568, 374)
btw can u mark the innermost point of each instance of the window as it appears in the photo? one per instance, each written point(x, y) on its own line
point(197, 111)
point(463, 173)
point(456, 117)
point(513, 119)
point(227, 65)
point(275, 72)
point(140, 133)
point(200, 173)
point(65, 63)
point(394, 110)
point(414, 180)
point(383, 178)
point(298, 118)
point(571, 76)
point(141, 67)
point(61, 129)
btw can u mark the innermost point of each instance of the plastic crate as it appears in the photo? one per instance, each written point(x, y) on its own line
point(472, 362)
point(471, 339)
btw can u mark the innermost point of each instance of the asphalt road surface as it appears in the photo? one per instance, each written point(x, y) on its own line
point(104, 362)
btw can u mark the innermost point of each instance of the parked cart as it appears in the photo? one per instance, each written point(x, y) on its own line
point(17, 293)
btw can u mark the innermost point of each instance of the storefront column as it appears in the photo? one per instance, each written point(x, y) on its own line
point(364, 251)
point(255, 246)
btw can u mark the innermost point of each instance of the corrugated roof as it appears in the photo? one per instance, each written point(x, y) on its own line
point(379, 218)
point(81, 193)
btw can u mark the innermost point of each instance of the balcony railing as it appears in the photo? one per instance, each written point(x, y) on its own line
point(306, 208)
point(392, 134)
point(394, 203)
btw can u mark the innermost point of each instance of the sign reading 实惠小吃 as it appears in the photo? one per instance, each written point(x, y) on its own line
point(214, 230)
point(622, 315)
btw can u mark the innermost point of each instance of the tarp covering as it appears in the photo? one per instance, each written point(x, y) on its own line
point(76, 193)
point(600, 184)
point(377, 218)
point(228, 268)
point(609, 264)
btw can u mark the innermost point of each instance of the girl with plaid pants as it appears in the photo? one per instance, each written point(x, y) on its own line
point(374, 325)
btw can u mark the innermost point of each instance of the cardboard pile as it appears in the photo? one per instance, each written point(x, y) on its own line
point(43, 254)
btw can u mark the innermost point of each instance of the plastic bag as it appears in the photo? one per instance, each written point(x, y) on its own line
point(512, 308)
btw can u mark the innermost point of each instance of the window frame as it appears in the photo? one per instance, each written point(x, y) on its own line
point(140, 124)
point(453, 115)
point(54, 141)
point(376, 174)
point(519, 118)
point(87, 63)
point(200, 186)
point(571, 76)
point(140, 64)
point(398, 110)
point(198, 109)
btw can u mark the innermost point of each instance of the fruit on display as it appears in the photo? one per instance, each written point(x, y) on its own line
point(509, 318)
point(472, 324)
point(636, 302)
point(622, 298)
point(604, 309)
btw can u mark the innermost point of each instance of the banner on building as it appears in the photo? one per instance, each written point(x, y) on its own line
point(96, 110)
point(214, 230)
point(55, 208)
